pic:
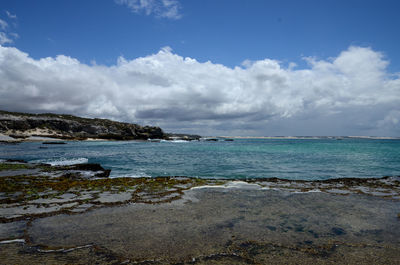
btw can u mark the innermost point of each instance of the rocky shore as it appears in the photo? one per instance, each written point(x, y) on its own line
point(76, 214)
point(23, 125)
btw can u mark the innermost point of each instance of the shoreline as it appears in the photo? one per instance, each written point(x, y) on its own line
point(76, 214)
point(40, 190)
point(314, 137)
point(38, 137)
point(216, 226)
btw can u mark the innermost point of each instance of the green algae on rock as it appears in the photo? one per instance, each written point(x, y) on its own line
point(47, 190)
point(63, 214)
point(13, 166)
point(35, 190)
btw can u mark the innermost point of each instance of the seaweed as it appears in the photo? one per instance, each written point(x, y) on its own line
point(46, 190)
point(13, 166)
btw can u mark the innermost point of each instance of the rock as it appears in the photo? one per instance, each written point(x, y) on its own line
point(87, 167)
point(54, 143)
point(10, 142)
point(74, 128)
point(93, 167)
point(18, 136)
point(104, 174)
point(16, 160)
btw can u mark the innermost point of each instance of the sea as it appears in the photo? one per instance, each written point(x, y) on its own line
point(295, 159)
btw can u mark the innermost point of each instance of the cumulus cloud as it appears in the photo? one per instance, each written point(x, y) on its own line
point(352, 94)
point(159, 8)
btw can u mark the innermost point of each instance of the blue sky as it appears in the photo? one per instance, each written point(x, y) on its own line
point(225, 32)
point(213, 67)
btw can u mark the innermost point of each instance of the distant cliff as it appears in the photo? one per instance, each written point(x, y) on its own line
point(21, 125)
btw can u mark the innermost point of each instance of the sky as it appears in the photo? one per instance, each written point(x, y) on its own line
point(248, 68)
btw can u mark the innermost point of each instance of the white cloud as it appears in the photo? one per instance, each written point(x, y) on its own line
point(14, 35)
point(347, 95)
point(160, 8)
point(3, 24)
point(4, 39)
point(11, 15)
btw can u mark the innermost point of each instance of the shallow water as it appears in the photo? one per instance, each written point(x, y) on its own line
point(228, 226)
point(307, 159)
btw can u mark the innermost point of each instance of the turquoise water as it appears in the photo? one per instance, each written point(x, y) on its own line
point(307, 159)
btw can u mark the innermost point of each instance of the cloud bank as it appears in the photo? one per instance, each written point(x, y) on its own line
point(352, 94)
point(159, 8)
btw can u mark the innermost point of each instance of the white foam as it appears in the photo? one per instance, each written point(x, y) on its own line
point(63, 249)
point(65, 161)
point(309, 191)
point(237, 184)
point(137, 175)
point(178, 141)
point(12, 241)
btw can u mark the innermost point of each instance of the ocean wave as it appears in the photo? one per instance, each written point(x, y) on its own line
point(231, 184)
point(64, 161)
point(385, 187)
point(132, 175)
point(174, 141)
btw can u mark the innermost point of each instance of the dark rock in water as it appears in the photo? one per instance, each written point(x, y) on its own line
point(16, 160)
point(211, 139)
point(87, 166)
point(104, 174)
point(54, 143)
point(338, 231)
point(100, 171)
point(90, 167)
point(228, 140)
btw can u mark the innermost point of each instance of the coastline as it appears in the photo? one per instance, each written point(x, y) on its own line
point(80, 216)
point(314, 137)
point(39, 136)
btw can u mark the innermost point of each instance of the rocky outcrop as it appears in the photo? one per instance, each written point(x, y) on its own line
point(20, 125)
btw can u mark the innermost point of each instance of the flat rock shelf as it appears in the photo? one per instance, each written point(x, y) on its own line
point(77, 215)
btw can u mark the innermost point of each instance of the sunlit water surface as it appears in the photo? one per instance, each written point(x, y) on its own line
point(307, 159)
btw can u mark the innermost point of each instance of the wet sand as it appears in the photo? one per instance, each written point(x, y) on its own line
point(240, 225)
